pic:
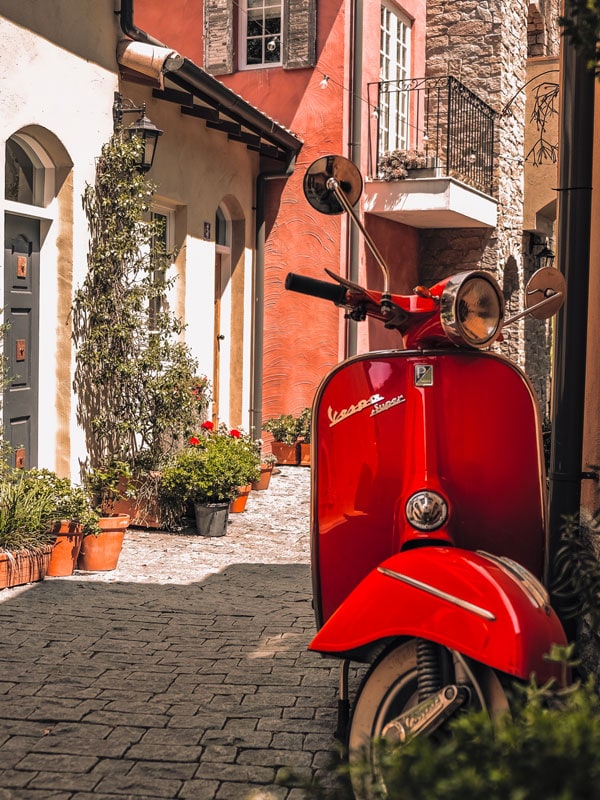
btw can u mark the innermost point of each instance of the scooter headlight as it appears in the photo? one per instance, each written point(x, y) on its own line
point(472, 309)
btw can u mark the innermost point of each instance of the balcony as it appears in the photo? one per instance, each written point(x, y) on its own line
point(431, 155)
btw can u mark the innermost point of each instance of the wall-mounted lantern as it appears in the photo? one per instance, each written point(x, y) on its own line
point(539, 249)
point(143, 128)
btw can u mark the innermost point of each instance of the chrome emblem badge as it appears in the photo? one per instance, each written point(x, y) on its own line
point(423, 374)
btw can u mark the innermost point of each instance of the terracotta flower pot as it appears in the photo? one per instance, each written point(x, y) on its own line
point(285, 453)
point(266, 470)
point(144, 513)
point(65, 550)
point(238, 504)
point(101, 553)
point(305, 454)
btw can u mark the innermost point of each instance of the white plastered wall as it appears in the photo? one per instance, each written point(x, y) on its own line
point(57, 81)
point(196, 169)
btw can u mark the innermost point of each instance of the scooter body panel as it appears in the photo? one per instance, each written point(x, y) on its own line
point(460, 599)
point(385, 425)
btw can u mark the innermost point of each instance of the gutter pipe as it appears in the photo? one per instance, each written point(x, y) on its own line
point(574, 215)
point(256, 399)
point(355, 152)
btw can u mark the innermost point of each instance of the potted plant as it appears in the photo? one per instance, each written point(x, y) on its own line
point(266, 463)
point(138, 393)
point(106, 485)
point(399, 164)
point(207, 474)
point(25, 530)
point(71, 517)
point(304, 436)
point(284, 430)
point(248, 459)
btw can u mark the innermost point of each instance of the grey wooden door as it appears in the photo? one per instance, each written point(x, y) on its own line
point(21, 311)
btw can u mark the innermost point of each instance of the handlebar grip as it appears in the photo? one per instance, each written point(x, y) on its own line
point(316, 288)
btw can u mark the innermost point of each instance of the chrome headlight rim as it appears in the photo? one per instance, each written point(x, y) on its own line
point(453, 327)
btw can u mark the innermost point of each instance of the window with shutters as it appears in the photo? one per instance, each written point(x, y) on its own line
point(271, 33)
point(394, 66)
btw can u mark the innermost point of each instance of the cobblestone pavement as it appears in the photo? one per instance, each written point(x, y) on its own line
point(183, 674)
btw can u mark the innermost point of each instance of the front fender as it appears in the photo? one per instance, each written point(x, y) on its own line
point(463, 600)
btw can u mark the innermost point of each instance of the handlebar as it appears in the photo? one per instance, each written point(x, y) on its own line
point(316, 288)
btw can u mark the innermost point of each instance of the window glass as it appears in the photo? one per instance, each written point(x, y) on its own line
point(261, 32)
point(159, 274)
point(221, 228)
point(394, 123)
point(20, 174)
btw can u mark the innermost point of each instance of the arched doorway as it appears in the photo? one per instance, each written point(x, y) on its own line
point(228, 361)
point(36, 168)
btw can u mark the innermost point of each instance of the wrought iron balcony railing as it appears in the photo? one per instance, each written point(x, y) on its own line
point(434, 123)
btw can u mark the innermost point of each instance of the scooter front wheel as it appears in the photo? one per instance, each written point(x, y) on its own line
point(389, 690)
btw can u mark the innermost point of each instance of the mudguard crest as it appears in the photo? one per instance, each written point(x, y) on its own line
point(457, 598)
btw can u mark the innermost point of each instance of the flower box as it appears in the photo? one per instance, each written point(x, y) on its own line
point(24, 566)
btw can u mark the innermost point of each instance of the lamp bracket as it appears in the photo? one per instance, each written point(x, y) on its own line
point(123, 106)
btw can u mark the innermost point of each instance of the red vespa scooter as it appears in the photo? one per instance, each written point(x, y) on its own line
point(428, 500)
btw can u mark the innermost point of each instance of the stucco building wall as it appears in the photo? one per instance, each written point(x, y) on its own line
point(57, 79)
point(58, 76)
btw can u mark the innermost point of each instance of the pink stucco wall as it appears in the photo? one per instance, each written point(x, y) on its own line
point(304, 337)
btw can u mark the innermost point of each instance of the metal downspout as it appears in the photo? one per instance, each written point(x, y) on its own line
point(130, 29)
point(355, 152)
point(574, 213)
point(256, 398)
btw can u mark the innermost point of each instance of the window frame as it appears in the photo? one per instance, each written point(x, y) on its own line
point(157, 304)
point(394, 66)
point(222, 26)
point(243, 36)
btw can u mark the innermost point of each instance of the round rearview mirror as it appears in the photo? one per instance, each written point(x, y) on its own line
point(321, 195)
point(546, 283)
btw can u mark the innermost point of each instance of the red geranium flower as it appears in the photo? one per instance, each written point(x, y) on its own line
point(207, 426)
point(193, 440)
point(235, 433)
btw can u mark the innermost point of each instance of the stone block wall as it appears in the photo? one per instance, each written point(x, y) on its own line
point(485, 45)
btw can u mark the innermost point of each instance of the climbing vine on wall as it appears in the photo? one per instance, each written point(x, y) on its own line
point(133, 375)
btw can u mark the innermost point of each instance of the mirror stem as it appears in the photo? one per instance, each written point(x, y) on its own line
point(334, 186)
point(541, 304)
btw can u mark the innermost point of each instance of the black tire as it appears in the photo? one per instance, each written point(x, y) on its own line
point(388, 689)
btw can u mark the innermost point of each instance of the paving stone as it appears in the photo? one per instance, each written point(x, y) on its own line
point(183, 673)
point(139, 786)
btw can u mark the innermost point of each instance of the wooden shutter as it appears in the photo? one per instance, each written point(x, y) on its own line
point(218, 36)
point(300, 34)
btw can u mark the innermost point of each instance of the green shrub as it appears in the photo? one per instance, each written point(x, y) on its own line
point(211, 469)
point(546, 749)
point(541, 752)
point(25, 515)
point(283, 428)
point(33, 501)
point(304, 429)
point(69, 502)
